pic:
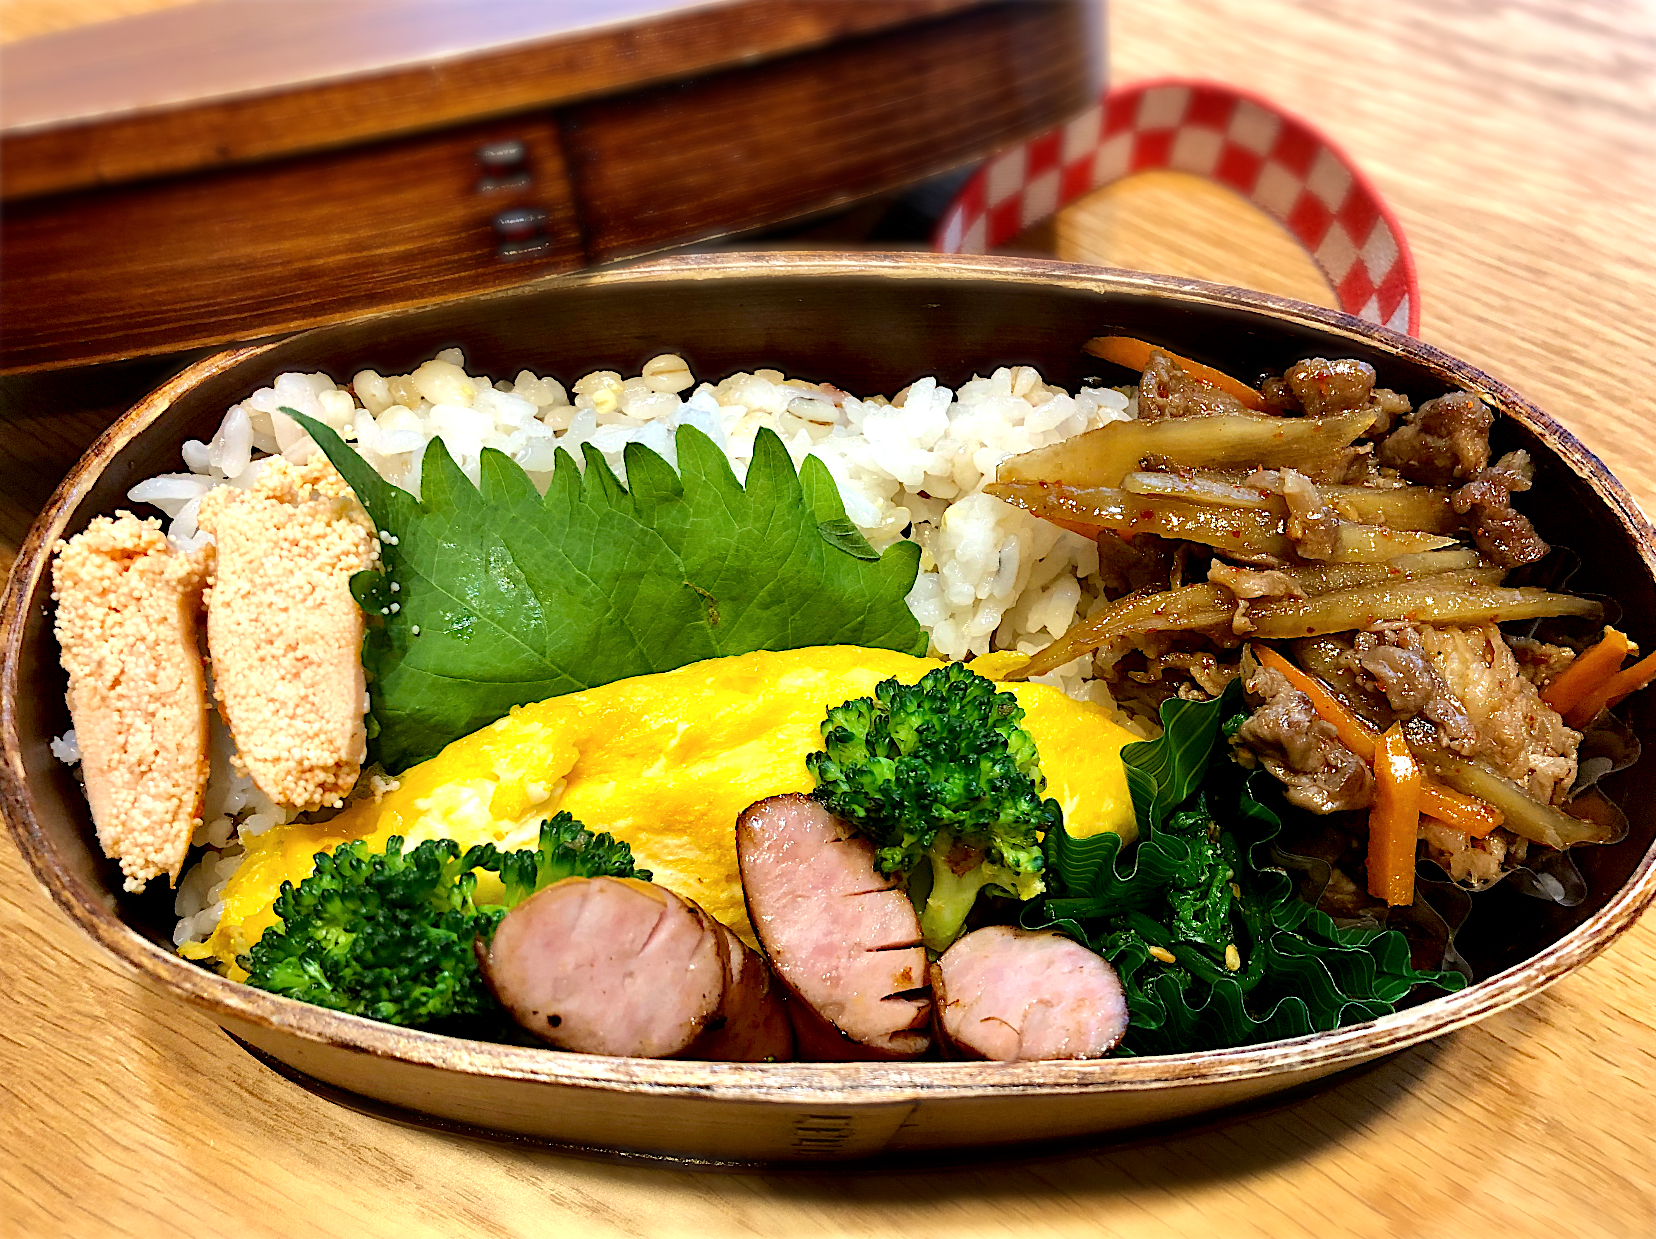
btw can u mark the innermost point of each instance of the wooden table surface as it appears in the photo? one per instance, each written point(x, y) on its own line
point(1514, 139)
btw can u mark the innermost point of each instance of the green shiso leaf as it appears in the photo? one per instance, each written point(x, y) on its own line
point(823, 498)
point(517, 597)
point(1203, 828)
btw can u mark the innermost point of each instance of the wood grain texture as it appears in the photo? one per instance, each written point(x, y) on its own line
point(1515, 142)
point(50, 420)
point(186, 261)
point(1180, 224)
point(867, 98)
point(227, 81)
point(732, 151)
point(882, 319)
point(27, 19)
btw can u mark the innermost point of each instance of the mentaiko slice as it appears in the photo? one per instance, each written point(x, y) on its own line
point(127, 607)
point(284, 632)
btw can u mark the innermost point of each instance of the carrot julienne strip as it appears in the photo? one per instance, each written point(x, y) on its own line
point(1135, 355)
point(1612, 691)
point(1467, 814)
point(1588, 672)
point(1354, 733)
point(1394, 820)
point(1464, 813)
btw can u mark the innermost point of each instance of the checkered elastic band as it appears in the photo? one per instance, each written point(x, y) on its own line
point(1276, 161)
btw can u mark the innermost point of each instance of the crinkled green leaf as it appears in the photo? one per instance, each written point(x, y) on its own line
point(841, 534)
point(823, 498)
point(1199, 880)
point(505, 597)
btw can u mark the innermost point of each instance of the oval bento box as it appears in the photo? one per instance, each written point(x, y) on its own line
point(869, 323)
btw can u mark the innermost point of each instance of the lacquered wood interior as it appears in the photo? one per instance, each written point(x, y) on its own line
point(870, 323)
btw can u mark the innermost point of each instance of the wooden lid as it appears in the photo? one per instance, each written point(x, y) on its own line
point(227, 81)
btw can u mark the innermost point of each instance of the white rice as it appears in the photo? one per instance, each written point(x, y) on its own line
point(66, 748)
point(991, 575)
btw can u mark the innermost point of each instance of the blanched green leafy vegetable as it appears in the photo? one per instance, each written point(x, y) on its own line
point(1199, 887)
point(496, 597)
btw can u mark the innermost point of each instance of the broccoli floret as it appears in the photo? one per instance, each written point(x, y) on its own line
point(946, 902)
point(940, 776)
point(390, 935)
point(567, 850)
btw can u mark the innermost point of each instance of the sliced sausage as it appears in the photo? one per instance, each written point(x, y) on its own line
point(1018, 996)
point(752, 1022)
point(842, 938)
point(608, 966)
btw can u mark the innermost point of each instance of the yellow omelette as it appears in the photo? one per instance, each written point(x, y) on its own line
point(665, 762)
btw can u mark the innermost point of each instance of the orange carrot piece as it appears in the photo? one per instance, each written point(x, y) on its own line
point(1588, 672)
point(1354, 733)
point(1611, 692)
point(1135, 355)
point(1465, 813)
point(1394, 821)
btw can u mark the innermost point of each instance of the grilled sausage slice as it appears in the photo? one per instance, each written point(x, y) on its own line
point(1018, 996)
point(608, 966)
point(843, 939)
point(752, 1022)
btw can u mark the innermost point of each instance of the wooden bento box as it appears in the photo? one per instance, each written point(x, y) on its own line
point(872, 323)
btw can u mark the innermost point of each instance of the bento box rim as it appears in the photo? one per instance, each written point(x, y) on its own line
point(803, 1083)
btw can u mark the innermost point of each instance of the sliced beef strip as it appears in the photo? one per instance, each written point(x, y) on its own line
point(609, 966)
point(1278, 397)
point(1301, 749)
point(1332, 658)
point(1248, 584)
point(1444, 440)
point(842, 937)
point(1518, 734)
point(1323, 387)
point(1540, 662)
point(1144, 562)
point(1390, 407)
point(1014, 995)
point(1165, 390)
point(1504, 535)
point(1413, 687)
point(1318, 387)
point(1208, 676)
point(1312, 523)
point(1474, 863)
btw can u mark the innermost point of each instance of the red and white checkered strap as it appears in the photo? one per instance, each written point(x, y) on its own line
point(1276, 161)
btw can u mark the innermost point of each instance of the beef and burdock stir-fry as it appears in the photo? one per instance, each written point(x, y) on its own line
point(1356, 561)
